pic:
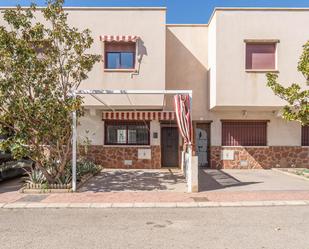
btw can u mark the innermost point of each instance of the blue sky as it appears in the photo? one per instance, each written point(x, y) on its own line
point(179, 11)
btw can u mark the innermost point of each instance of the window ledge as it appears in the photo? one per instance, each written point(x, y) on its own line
point(127, 146)
point(252, 146)
point(120, 70)
point(262, 71)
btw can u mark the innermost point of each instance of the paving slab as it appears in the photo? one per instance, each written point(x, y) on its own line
point(79, 205)
point(101, 205)
point(166, 204)
point(15, 205)
point(230, 204)
point(274, 203)
point(252, 203)
point(144, 204)
point(36, 205)
point(296, 202)
point(122, 205)
point(136, 180)
point(226, 180)
point(57, 205)
point(209, 204)
point(187, 204)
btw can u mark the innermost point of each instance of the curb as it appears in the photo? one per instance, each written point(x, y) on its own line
point(35, 205)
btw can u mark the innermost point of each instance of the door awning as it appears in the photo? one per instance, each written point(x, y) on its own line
point(183, 115)
point(155, 115)
point(119, 38)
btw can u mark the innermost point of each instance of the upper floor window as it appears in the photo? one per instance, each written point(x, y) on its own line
point(120, 55)
point(244, 133)
point(305, 135)
point(261, 56)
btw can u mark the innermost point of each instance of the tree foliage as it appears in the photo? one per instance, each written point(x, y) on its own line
point(40, 64)
point(297, 98)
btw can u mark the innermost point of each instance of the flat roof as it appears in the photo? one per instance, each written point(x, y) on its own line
point(254, 9)
point(165, 8)
point(93, 8)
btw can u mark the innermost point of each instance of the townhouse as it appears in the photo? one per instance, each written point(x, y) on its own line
point(236, 117)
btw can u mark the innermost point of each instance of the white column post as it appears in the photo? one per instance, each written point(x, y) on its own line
point(74, 148)
point(192, 173)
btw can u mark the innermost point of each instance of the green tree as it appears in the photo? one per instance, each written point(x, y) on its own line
point(297, 99)
point(40, 64)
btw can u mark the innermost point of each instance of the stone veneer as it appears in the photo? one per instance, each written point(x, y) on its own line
point(261, 157)
point(113, 156)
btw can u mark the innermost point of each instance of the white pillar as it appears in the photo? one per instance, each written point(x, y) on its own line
point(192, 178)
point(74, 145)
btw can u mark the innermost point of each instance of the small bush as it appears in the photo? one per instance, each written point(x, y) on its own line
point(35, 176)
point(83, 167)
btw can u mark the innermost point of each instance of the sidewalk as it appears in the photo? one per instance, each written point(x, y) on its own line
point(219, 188)
point(154, 199)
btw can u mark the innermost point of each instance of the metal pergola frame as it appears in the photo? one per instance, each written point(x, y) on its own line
point(113, 92)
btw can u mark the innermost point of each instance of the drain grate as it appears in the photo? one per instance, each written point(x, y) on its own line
point(200, 199)
point(32, 198)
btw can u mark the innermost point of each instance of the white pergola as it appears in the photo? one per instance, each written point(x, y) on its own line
point(93, 93)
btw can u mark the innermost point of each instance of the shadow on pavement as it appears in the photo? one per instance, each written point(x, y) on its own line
point(137, 180)
point(11, 185)
point(212, 179)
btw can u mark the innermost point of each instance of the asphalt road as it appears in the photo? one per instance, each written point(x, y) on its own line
point(224, 228)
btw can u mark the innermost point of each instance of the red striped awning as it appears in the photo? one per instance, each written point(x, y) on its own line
point(139, 115)
point(119, 38)
point(183, 115)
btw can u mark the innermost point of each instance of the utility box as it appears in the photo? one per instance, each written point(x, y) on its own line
point(144, 154)
point(227, 155)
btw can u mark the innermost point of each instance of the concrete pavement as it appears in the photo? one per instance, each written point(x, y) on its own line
point(182, 228)
point(152, 188)
point(44, 205)
point(235, 180)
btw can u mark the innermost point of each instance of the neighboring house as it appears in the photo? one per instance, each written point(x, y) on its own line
point(236, 117)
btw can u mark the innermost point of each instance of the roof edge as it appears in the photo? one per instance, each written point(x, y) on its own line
point(254, 9)
point(187, 25)
point(92, 8)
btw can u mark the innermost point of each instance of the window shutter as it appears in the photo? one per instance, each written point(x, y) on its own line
point(305, 135)
point(244, 133)
point(261, 56)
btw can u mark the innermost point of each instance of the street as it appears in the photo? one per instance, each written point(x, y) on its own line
point(213, 228)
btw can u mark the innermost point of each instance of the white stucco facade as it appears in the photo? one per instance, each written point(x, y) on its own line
point(208, 59)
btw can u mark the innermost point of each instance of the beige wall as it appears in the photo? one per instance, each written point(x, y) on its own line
point(187, 67)
point(233, 86)
point(212, 62)
point(149, 25)
point(186, 63)
point(91, 127)
point(206, 59)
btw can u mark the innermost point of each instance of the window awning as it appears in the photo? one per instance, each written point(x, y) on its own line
point(139, 115)
point(119, 38)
